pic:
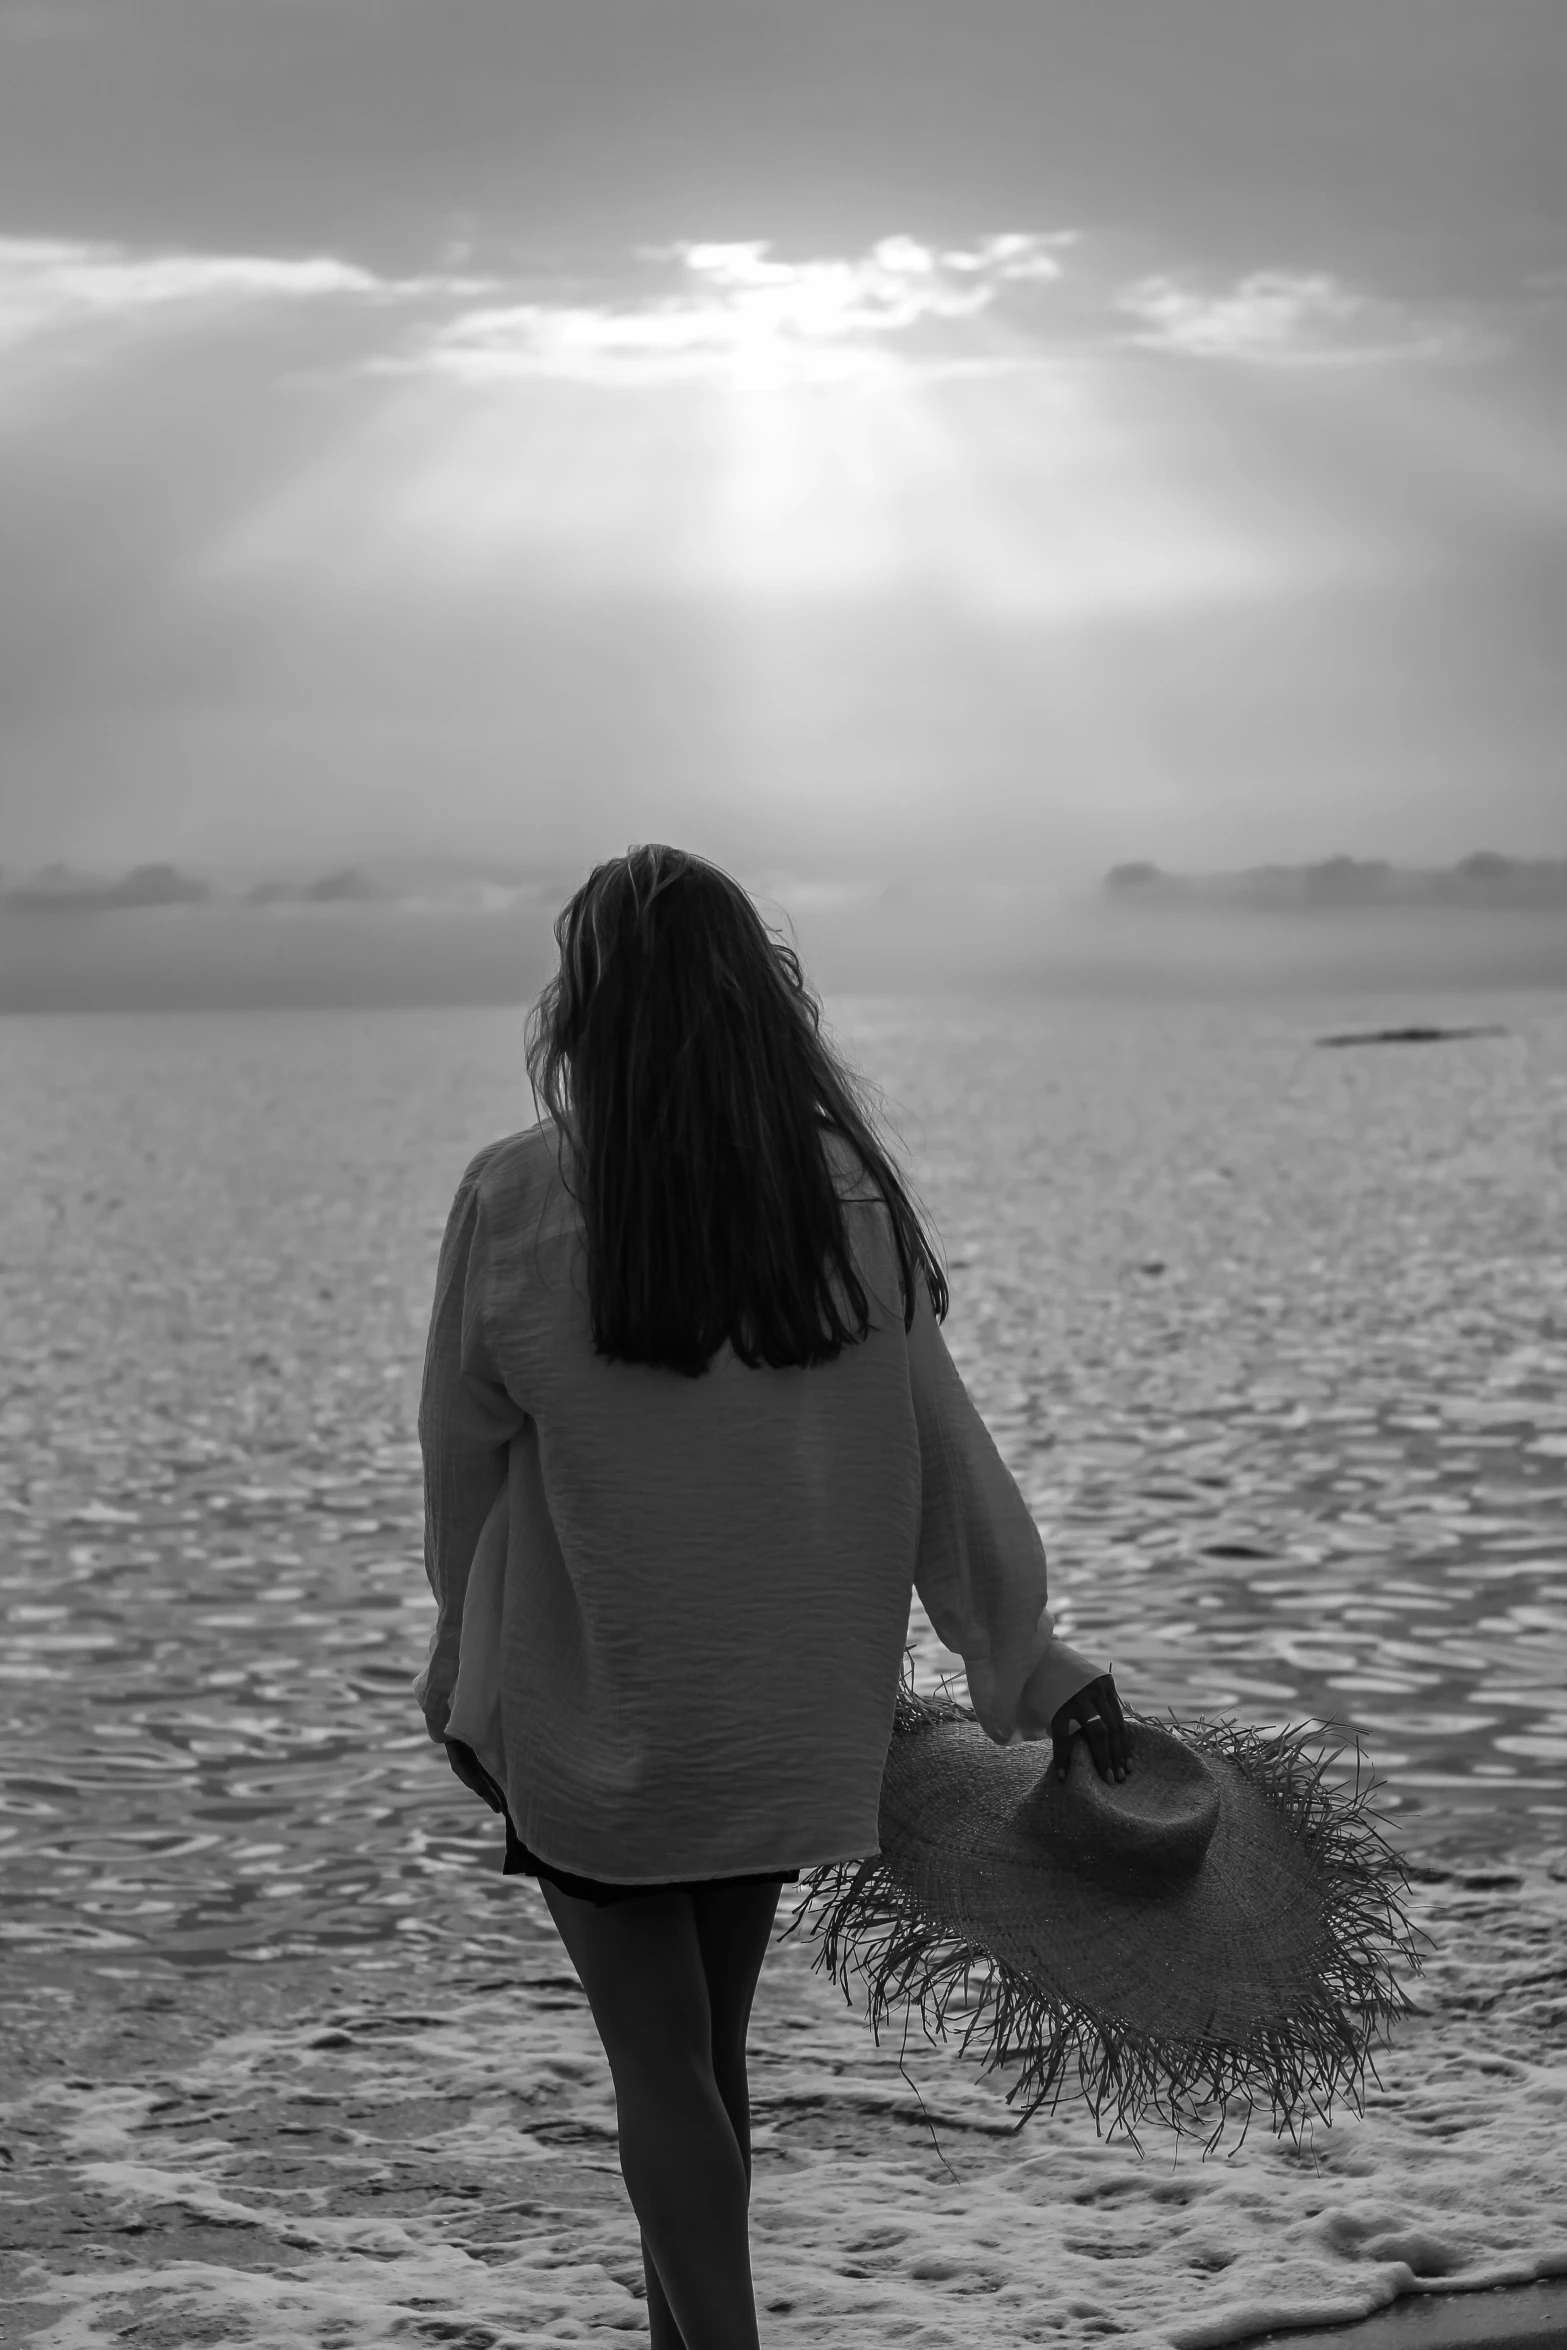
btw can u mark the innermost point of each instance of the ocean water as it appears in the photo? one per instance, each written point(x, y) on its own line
point(1274, 1338)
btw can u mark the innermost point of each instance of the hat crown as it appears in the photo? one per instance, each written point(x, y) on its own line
point(1153, 1826)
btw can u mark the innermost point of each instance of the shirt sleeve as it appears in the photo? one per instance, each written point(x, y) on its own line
point(980, 1571)
point(466, 1423)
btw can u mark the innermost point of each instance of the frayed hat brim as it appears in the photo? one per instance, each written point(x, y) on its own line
point(1265, 1981)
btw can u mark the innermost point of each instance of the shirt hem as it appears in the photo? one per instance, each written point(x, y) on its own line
point(679, 1876)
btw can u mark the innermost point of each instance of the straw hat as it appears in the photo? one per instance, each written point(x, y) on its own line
point(1221, 1929)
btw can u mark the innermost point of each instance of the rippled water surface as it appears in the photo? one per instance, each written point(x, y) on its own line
point(1273, 1336)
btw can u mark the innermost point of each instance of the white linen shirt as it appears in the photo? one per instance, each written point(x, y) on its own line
point(671, 1612)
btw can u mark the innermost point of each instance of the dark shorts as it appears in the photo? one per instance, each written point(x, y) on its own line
point(521, 1862)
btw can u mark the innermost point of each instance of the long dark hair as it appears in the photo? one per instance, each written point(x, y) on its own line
point(680, 1054)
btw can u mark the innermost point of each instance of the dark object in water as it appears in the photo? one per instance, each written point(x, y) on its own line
point(1408, 1035)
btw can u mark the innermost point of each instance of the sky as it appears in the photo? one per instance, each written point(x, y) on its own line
point(843, 437)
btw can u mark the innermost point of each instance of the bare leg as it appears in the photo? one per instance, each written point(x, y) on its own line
point(734, 1927)
point(663, 2333)
point(642, 1966)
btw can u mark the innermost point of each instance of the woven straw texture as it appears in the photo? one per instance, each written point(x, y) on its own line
point(1223, 1931)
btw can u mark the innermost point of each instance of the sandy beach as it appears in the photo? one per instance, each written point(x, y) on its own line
point(289, 2062)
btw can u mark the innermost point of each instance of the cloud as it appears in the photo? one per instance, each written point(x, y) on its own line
point(51, 283)
point(736, 309)
point(697, 308)
point(1284, 318)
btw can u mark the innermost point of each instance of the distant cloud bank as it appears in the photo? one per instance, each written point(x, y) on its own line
point(1483, 881)
point(158, 938)
point(57, 890)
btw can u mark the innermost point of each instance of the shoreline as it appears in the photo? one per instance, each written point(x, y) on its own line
point(418, 2135)
point(1461, 2317)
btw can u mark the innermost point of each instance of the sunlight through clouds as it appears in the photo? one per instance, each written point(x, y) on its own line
point(832, 425)
point(913, 421)
point(737, 309)
point(848, 525)
point(1045, 496)
point(965, 421)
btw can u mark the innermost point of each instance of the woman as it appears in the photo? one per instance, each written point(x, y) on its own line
point(691, 1434)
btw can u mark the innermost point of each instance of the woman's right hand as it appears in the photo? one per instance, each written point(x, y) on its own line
point(1096, 1711)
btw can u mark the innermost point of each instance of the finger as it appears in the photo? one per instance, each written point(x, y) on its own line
point(1061, 1752)
point(1116, 1724)
point(1099, 1746)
